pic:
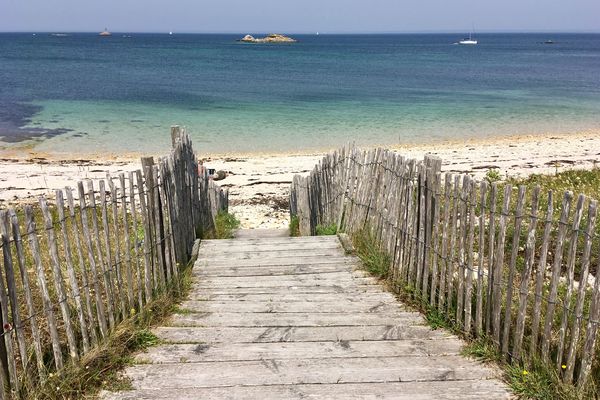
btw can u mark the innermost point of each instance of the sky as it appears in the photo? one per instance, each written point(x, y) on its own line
point(300, 16)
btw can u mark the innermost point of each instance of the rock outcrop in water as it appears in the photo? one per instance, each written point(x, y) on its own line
point(272, 38)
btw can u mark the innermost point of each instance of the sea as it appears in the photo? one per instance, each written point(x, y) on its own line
point(79, 93)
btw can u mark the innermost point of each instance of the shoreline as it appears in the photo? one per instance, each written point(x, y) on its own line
point(15, 154)
point(259, 183)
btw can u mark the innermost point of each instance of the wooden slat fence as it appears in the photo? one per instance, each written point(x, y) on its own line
point(501, 262)
point(74, 269)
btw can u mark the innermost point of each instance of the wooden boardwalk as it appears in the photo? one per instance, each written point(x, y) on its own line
point(292, 318)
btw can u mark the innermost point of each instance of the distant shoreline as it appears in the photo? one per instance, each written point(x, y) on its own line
point(27, 154)
point(449, 32)
point(259, 183)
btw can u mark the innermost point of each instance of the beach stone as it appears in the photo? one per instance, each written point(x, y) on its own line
point(220, 175)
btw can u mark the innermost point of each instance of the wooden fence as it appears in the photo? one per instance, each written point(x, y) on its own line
point(510, 264)
point(74, 269)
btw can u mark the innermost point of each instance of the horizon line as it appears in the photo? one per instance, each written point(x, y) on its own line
point(424, 32)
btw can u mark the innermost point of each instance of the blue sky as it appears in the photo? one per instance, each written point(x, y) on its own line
point(334, 16)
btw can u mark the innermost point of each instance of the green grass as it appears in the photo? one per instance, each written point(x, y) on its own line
point(326, 230)
point(225, 226)
point(534, 380)
point(435, 319)
point(294, 226)
point(493, 175)
point(375, 260)
point(585, 182)
point(100, 368)
point(482, 349)
point(182, 310)
point(577, 181)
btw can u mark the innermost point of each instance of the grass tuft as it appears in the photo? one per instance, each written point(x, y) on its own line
point(326, 230)
point(435, 319)
point(533, 383)
point(225, 225)
point(375, 260)
point(100, 368)
point(294, 226)
point(482, 349)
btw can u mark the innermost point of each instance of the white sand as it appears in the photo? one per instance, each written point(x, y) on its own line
point(258, 182)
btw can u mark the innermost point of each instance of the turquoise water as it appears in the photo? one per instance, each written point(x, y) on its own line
point(86, 94)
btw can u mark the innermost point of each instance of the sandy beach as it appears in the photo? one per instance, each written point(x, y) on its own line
point(259, 184)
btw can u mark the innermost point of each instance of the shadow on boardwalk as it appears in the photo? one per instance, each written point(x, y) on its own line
point(271, 316)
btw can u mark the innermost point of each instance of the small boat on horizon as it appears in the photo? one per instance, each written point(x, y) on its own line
point(469, 40)
point(549, 41)
point(105, 32)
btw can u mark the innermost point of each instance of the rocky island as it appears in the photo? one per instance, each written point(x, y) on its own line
point(272, 38)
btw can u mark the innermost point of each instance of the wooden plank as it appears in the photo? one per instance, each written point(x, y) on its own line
point(43, 286)
point(453, 247)
point(12, 288)
point(295, 319)
point(158, 245)
point(229, 335)
point(11, 381)
point(338, 279)
point(217, 257)
point(435, 231)
point(85, 279)
point(104, 264)
point(556, 267)
point(462, 238)
point(412, 232)
point(268, 241)
point(420, 232)
point(566, 312)
point(445, 238)
point(116, 244)
point(134, 228)
point(33, 322)
point(512, 268)
point(441, 390)
point(400, 211)
point(290, 260)
point(224, 352)
point(481, 260)
point(146, 169)
point(290, 297)
point(541, 277)
point(111, 265)
point(588, 357)
point(526, 276)
point(271, 372)
point(581, 294)
point(491, 258)
point(147, 236)
point(74, 284)
point(128, 263)
point(95, 274)
point(469, 267)
point(499, 266)
point(156, 228)
point(230, 250)
point(276, 305)
point(273, 270)
point(207, 293)
point(170, 262)
point(59, 285)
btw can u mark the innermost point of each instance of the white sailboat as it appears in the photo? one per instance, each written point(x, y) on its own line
point(469, 41)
